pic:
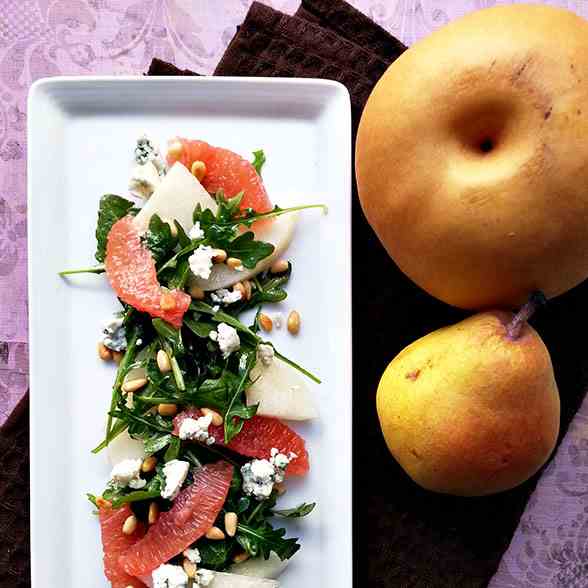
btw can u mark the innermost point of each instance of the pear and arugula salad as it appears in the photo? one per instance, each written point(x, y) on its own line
point(197, 431)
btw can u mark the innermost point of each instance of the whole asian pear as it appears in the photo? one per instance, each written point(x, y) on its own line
point(471, 409)
point(472, 157)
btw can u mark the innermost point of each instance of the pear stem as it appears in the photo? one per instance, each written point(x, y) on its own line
point(536, 300)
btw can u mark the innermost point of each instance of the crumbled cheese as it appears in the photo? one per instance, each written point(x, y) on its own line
point(196, 232)
point(227, 339)
point(114, 335)
point(278, 320)
point(201, 261)
point(175, 472)
point(169, 576)
point(226, 297)
point(265, 354)
point(197, 430)
point(280, 461)
point(127, 473)
point(204, 577)
point(193, 555)
point(148, 151)
point(144, 179)
point(216, 308)
point(137, 484)
point(260, 475)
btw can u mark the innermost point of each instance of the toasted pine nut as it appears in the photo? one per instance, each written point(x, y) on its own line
point(167, 301)
point(103, 503)
point(294, 322)
point(217, 419)
point(234, 262)
point(189, 568)
point(279, 266)
point(167, 409)
point(133, 385)
point(153, 513)
point(163, 362)
point(241, 557)
point(219, 256)
point(265, 322)
point(103, 352)
point(117, 356)
point(130, 525)
point(175, 148)
point(196, 292)
point(148, 464)
point(231, 521)
point(198, 170)
point(247, 288)
point(280, 488)
point(215, 534)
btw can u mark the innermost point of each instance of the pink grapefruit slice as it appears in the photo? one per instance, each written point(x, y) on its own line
point(257, 438)
point(225, 170)
point(115, 543)
point(192, 514)
point(131, 271)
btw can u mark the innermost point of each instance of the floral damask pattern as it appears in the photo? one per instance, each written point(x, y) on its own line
point(41, 38)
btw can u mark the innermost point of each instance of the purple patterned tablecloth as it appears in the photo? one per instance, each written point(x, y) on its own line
point(41, 38)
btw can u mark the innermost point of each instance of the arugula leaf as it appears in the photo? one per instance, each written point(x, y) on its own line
point(214, 554)
point(173, 450)
point(217, 393)
point(156, 444)
point(118, 497)
point(179, 278)
point(263, 539)
point(249, 251)
point(300, 511)
point(169, 333)
point(258, 160)
point(201, 329)
point(237, 411)
point(111, 209)
point(159, 239)
point(183, 239)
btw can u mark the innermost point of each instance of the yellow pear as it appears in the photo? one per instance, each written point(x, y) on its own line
point(471, 409)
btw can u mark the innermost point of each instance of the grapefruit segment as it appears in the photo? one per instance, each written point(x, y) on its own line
point(225, 170)
point(257, 438)
point(192, 514)
point(115, 543)
point(131, 271)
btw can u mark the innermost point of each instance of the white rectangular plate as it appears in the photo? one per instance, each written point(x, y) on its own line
point(81, 139)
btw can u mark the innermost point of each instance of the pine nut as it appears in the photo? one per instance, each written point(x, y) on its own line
point(153, 513)
point(103, 352)
point(234, 262)
point(175, 149)
point(231, 521)
point(196, 292)
point(265, 322)
point(198, 170)
point(163, 362)
point(241, 557)
point(280, 488)
point(238, 287)
point(130, 525)
point(247, 287)
point(117, 356)
point(103, 503)
point(217, 419)
point(294, 322)
point(167, 301)
point(219, 256)
point(167, 409)
point(279, 267)
point(215, 534)
point(148, 464)
point(189, 568)
point(133, 385)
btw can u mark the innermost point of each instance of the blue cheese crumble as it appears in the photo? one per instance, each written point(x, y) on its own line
point(260, 475)
point(201, 261)
point(114, 335)
point(169, 576)
point(227, 339)
point(127, 473)
point(226, 297)
point(175, 472)
point(146, 151)
point(197, 430)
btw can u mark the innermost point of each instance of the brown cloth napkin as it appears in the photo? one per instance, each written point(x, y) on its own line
point(404, 536)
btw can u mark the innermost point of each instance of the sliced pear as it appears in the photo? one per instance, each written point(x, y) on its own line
point(278, 232)
point(175, 198)
point(123, 446)
point(258, 567)
point(281, 392)
point(224, 580)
